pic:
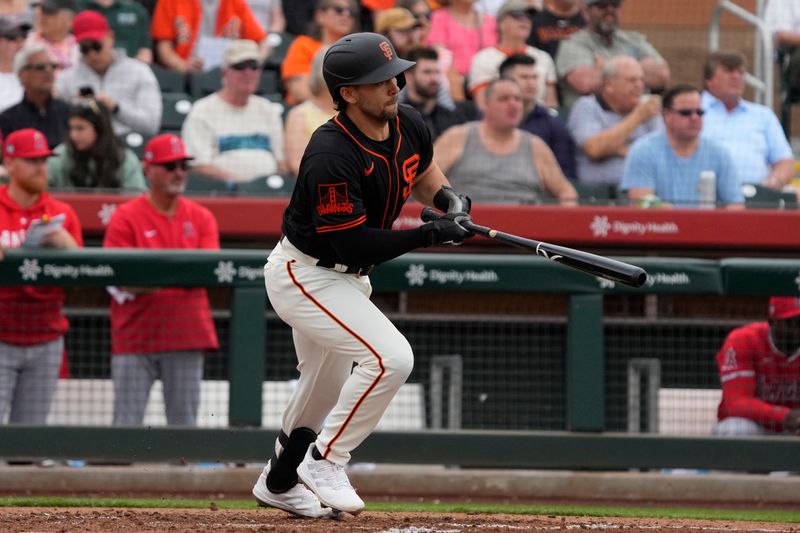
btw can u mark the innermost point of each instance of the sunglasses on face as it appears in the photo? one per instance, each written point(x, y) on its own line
point(172, 166)
point(518, 15)
point(689, 112)
point(40, 67)
point(14, 36)
point(250, 64)
point(339, 10)
point(90, 46)
point(423, 16)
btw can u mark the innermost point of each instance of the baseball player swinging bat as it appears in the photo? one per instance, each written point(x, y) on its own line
point(595, 265)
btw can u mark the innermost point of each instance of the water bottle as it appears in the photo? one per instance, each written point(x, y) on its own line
point(707, 189)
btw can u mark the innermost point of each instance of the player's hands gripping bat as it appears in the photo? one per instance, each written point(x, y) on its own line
point(447, 229)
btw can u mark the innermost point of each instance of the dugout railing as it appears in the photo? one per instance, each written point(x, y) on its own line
point(583, 422)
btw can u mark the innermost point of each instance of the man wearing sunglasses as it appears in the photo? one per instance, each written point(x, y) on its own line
point(160, 333)
point(235, 135)
point(581, 57)
point(668, 163)
point(36, 68)
point(127, 87)
point(12, 37)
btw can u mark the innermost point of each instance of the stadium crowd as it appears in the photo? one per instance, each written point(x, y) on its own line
point(237, 80)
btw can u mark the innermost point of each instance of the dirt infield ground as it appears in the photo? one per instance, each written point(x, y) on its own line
point(30, 520)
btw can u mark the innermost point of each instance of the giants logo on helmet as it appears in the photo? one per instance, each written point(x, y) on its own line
point(387, 50)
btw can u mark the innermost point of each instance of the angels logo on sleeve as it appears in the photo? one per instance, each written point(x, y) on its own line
point(333, 199)
point(730, 360)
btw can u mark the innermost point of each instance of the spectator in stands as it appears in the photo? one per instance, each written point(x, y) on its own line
point(32, 324)
point(604, 126)
point(160, 333)
point(492, 160)
point(750, 131)
point(422, 91)
point(459, 31)
point(92, 156)
point(128, 20)
point(304, 118)
point(234, 135)
point(54, 26)
point(190, 38)
point(422, 12)
point(514, 27)
point(537, 119)
point(783, 21)
point(12, 36)
point(401, 28)
point(557, 20)
point(125, 86)
point(667, 164)
point(269, 14)
point(35, 66)
point(19, 8)
point(332, 20)
point(582, 56)
point(759, 370)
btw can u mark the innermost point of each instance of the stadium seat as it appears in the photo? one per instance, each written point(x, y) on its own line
point(269, 83)
point(170, 81)
point(274, 185)
point(280, 44)
point(176, 107)
point(200, 185)
point(204, 83)
point(760, 197)
point(136, 142)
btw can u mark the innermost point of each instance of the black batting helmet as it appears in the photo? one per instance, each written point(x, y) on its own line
point(360, 59)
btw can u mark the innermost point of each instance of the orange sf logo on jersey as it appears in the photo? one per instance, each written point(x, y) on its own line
point(387, 50)
point(333, 199)
point(410, 167)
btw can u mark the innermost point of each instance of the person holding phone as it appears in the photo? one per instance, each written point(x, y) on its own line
point(127, 87)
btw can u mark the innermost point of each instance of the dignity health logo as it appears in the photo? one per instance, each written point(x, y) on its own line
point(419, 275)
point(601, 226)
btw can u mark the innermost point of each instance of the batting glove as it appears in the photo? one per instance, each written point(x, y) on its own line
point(447, 229)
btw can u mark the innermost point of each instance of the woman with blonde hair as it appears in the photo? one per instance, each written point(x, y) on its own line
point(303, 119)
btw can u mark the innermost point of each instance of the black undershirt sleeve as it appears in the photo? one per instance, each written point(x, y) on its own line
point(364, 246)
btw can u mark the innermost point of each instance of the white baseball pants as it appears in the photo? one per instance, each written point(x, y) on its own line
point(334, 325)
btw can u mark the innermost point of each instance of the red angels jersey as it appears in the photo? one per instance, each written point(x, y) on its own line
point(758, 381)
point(168, 319)
point(32, 315)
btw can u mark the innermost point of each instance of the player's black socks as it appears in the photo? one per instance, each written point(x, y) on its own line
point(315, 454)
point(283, 468)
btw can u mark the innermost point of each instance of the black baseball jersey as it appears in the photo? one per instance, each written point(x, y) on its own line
point(347, 179)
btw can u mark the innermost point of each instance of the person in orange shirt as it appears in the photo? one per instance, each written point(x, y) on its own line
point(333, 19)
point(179, 24)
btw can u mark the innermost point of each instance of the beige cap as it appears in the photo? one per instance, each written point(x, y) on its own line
point(240, 50)
point(511, 6)
point(395, 18)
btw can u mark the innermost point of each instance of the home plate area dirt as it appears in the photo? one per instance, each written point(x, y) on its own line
point(30, 520)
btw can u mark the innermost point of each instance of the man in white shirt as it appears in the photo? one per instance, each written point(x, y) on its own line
point(783, 21)
point(234, 135)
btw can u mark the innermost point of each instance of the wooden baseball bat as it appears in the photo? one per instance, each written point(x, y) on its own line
point(596, 265)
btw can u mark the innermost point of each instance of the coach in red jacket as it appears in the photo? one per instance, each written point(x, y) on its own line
point(759, 368)
point(32, 324)
point(160, 333)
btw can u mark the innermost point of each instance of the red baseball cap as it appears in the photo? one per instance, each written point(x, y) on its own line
point(782, 307)
point(165, 148)
point(27, 143)
point(89, 26)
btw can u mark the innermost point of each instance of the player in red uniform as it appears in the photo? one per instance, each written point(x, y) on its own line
point(32, 324)
point(759, 367)
point(355, 175)
point(161, 333)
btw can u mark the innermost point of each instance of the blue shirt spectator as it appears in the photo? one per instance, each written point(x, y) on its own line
point(669, 163)
point(751, 132)
point(652, 164)
point(554, 133)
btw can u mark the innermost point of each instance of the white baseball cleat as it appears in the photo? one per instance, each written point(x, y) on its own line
point(298, 500)
point(330, 483)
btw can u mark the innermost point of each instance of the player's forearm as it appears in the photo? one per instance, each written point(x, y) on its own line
point(756, 410)
point(363, 246)
point(428, 184)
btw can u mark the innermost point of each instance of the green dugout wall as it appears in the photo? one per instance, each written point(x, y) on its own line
point(583, 445)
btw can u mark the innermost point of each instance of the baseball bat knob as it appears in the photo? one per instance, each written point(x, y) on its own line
point(429, 214)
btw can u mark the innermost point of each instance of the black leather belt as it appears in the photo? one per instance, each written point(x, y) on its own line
point(344, 269)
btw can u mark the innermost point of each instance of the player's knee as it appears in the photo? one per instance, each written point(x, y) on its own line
point(400, 361)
